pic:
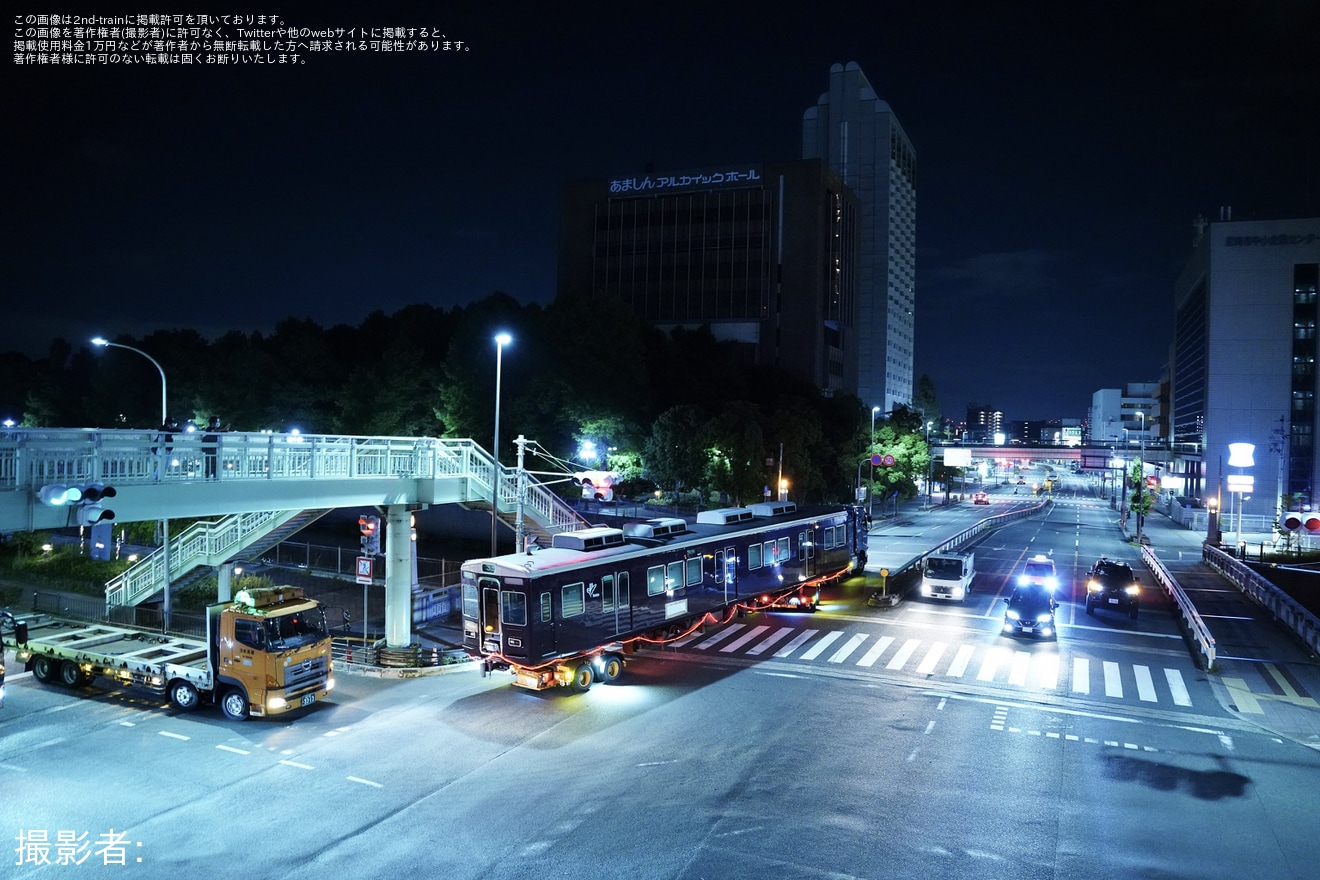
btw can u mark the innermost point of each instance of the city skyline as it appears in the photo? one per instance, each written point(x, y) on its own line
point(1062, 159)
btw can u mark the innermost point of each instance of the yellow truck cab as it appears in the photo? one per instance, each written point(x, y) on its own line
point(266, 652)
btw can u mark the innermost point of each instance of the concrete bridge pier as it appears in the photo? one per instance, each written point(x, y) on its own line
point(400, 575)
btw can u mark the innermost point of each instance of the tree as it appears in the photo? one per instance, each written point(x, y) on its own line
point(674, 453)
point(735, 450)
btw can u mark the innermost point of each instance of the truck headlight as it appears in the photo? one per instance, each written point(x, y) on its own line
point(1093, 587)
point(1132, 590)
point(276, 703)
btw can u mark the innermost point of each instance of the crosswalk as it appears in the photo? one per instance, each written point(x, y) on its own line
point(1042, 670)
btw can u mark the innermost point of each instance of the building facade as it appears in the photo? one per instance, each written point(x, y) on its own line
point(861, 139)
point(1125, 415)
point(764, 255)
point(1244, 363)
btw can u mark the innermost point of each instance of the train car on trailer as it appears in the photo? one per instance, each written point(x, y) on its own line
point(565, 615)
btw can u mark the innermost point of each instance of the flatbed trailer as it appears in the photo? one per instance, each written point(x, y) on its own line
point(266, 653)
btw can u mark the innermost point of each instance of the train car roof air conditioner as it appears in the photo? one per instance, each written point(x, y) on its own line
point(597, 538)
point(662, 527)
point(774, 508)
point(725, 516)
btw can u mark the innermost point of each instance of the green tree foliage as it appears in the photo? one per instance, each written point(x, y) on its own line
point(735, 453)
point(675, 454)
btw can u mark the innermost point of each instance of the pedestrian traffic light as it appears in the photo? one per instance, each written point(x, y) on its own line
point(369, 526)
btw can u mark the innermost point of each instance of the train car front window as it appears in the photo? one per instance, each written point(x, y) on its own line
point(513, 608)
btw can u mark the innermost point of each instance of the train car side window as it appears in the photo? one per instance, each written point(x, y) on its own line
point(806, 550)
point(769, 550)
point(545, 607)
point(513, 608)
point(607, 593)
point(695, 570)
point(754, 557)
point(655, 580)
point(674, 580)
point(624, 601)
point(719, 566)
point(574, 601)
point(783, 552)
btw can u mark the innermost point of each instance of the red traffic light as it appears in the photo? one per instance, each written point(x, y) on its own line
point(368, 525)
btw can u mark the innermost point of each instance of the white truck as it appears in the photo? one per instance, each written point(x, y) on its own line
point(947, 575)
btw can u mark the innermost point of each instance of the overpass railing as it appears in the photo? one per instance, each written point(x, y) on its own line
point(33, 457)
point(1287, 610)
point(1192, 619)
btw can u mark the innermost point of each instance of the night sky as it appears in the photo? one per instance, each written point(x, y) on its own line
point(1063, 152)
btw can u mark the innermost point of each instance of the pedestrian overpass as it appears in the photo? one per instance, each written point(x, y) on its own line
point(256, 488)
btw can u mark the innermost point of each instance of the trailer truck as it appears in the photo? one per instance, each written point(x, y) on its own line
point(947, 576)
point(265, 653)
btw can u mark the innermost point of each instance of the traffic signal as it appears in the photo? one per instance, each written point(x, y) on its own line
point(369, 526)
point(90, 510)
point(88, 499)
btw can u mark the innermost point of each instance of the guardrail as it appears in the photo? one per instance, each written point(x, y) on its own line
point(989, 524)
point(1200, 633)
point(1285, 608)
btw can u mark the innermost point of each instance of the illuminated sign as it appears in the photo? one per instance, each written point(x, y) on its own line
point(659, 183)
point(1241, 482)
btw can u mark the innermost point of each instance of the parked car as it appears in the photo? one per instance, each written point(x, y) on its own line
point(1112, 585)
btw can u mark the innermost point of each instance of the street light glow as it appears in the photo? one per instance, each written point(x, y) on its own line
point(501, 340)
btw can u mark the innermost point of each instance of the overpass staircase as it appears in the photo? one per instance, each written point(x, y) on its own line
point(205, 544)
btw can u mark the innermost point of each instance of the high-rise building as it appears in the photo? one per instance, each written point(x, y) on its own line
point(763, 255)
point(861, 139)
point(1244, 365)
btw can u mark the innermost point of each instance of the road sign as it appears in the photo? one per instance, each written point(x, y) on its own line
point(364, 569)
point(889, 461)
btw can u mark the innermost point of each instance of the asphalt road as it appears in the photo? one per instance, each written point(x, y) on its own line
point(1104, 754)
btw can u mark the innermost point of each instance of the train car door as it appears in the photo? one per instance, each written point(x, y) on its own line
point(726, 572)
point(489, 617)
point(616, 602)
point(807, 552)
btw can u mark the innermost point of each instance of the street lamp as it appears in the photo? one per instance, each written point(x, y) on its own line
point(501, 340)
point(164, 409)
point(930, 462)
point(870, 453)
point(1141, 478)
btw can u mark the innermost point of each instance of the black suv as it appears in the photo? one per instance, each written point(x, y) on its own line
point(1112, 585)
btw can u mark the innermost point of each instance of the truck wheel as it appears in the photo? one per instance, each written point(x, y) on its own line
point(43, 669)
point(71, 674)
point(583, 676)
point(234, 704)
point(183, 695)
point(611, 668)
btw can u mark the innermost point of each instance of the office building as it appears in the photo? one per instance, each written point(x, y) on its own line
point(1244, 364)
point(860, 137)
point(764, 255)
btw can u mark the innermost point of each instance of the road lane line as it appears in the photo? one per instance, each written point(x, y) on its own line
point(958, 668)
point(769, 640)
point(905, 652)
point(798, 641)
point(744, 639)
point(1113, 682)
point(932, 657)
point(826, 640)
point(1081, 679)
point(1180, 695)
point(877, 649)
point(851, 645)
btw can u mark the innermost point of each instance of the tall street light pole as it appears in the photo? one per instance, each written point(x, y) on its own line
point(870, 453)
point(930, 462)
point(164, 407)
point(1141, 479)
point(166, 608)
point(501, 340)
